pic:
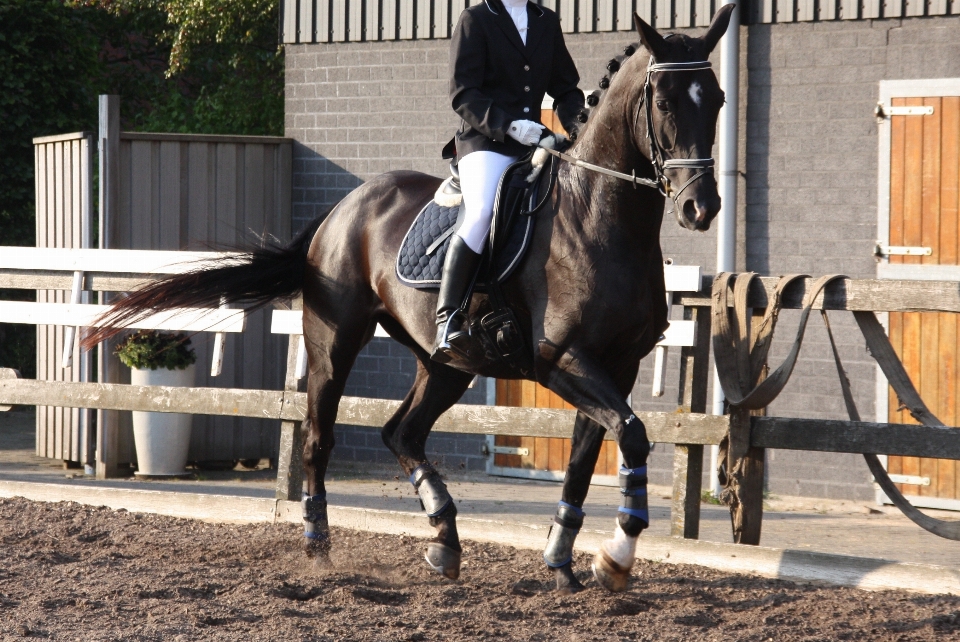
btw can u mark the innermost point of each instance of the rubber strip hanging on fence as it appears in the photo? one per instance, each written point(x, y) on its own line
point(740, 361)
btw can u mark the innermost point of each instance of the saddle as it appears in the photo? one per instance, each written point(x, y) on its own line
point(424, 248)
point(521, 192)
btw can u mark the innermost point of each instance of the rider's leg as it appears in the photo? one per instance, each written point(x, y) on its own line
point(479, 174)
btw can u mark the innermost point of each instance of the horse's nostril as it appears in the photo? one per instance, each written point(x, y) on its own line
point(690, 211)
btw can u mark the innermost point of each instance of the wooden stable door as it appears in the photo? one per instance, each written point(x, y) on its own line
point(541, 458)
point(924, 243)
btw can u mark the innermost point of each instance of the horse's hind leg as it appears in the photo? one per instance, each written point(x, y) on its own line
point(332, 351)
point(584, 451)
point(437, 387)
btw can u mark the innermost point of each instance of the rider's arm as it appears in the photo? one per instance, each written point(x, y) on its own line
point(567, 97)
point(468, 54)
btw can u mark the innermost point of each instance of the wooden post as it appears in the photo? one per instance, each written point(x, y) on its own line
point(746, 465)
point(88, 439)
point(688, 458)
point(108, 421)
point(290, 457)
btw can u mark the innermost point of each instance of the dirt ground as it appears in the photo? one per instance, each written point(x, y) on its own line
point(73, 572)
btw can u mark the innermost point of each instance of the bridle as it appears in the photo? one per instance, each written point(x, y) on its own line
point(660, 166)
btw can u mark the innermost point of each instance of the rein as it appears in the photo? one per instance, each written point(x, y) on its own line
point(660, 166)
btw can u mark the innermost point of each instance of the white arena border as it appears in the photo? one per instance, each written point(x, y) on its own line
point(797, 566)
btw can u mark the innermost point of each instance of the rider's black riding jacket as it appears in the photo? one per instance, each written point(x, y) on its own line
point(496, 79)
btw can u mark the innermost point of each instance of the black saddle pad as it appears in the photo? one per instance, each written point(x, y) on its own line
point(420, 269)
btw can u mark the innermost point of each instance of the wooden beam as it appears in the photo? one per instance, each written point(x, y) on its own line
point(230, 402)
point(291, 406)
point(61, 280)
point(205, 138)
point(854, 294)
point(688, 458)
point(855, 437)
point(685, 428)
point(83, 315)
point(97, 260)
point(290, 456)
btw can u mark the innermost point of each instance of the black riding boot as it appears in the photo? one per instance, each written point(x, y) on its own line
point(459, 266)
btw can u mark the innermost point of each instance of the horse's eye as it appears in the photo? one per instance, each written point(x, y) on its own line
point(662, 105)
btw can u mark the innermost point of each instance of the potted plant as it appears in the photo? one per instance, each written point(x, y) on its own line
point(161, 439)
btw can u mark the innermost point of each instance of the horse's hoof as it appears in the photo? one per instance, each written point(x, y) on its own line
point(609, 574)
point(567, 582)
point(318, 548)
point(444, 560)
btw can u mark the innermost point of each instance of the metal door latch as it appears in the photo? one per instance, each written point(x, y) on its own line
point(504, 450)
point(881, 250)
point(915, 480)
point(883, 111)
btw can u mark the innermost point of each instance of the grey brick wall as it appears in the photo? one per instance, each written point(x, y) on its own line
point(808, 199)
point(811, 198)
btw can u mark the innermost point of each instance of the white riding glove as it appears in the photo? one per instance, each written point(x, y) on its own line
point(525, 131)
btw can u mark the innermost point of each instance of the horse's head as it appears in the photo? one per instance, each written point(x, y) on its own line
point(679, 108)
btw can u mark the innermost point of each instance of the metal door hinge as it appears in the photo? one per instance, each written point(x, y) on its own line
point(883, 111)
point(504, 450)
point(915, 480)
point(901, 250)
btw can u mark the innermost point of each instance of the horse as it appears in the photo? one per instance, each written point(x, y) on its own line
point(589, 295)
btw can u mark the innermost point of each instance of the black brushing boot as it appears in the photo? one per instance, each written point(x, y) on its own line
point(459, 267)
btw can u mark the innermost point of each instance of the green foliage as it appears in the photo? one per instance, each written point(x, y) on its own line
point(49, 69)
point(188, 66)
point(224, 71)
point(152, 349)
point(49, 78)
point(707, 497)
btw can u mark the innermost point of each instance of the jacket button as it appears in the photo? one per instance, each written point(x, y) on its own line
point(526, 110)
point(526, 67)
point(527, 88)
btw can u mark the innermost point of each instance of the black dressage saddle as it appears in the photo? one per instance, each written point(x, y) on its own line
point(523, 185)
point(521, 193)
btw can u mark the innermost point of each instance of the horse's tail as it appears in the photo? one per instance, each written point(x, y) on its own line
point(253, 278)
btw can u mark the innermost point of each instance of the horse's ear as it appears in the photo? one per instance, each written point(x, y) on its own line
point(651, 38)
point(718, 26)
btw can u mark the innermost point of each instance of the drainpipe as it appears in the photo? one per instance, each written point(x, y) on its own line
point(727, 184)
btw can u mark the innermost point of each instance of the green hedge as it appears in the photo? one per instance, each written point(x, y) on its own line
point(188, 66)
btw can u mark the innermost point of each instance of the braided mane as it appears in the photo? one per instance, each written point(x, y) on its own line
point(595, 97)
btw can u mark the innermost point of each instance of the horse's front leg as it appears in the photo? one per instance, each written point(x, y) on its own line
point(579, 380)
point(584, 451)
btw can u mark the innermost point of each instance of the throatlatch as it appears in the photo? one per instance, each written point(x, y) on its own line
point(315, 524)
point(633, 487)
point(563, 533)
point(434, 497)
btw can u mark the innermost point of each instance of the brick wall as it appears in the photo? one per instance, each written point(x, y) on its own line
point(808, 199)
point(811, 199)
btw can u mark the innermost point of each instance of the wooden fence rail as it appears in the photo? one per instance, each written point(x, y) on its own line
point(662, 427)
point(688, 428)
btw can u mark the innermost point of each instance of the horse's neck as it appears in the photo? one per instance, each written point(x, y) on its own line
point(608, 204)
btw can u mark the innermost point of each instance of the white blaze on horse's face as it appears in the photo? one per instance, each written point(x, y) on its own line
point(696, 93)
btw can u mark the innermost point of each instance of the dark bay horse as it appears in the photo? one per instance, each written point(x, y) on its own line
point(589, 295)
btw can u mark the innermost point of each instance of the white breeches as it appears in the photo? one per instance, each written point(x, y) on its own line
point(479, 174)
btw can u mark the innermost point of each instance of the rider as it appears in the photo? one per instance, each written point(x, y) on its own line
point(504, 56)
